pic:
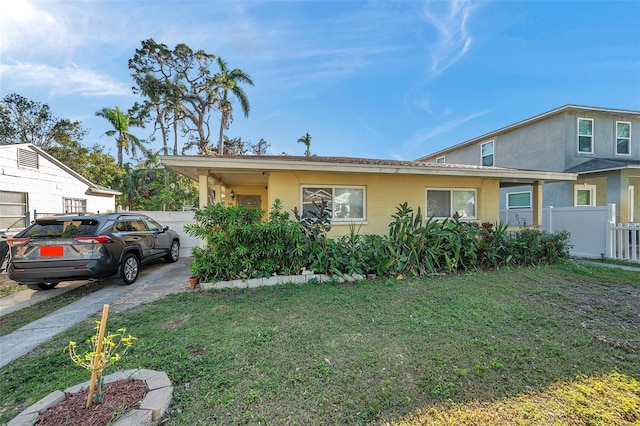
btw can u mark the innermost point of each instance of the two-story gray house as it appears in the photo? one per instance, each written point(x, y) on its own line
point(601, 145)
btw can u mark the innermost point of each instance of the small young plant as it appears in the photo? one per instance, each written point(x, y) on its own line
point(106, 350)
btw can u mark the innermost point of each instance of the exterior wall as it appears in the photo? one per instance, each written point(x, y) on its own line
point(384, 193)
point(551, 144)
point(535, 147)
point(46, 186)
point(249, 190)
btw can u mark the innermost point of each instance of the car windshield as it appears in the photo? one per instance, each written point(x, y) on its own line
point(67, 228)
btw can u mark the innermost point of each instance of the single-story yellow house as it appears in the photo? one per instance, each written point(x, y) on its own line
point(364, 192)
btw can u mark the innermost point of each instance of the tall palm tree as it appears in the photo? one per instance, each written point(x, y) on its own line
point(306, 140)
point(121, 122)
point(228, 81)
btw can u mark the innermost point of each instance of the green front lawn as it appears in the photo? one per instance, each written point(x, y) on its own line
point(545, 345)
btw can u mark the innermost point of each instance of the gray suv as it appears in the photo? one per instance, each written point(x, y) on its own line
point(88, 246)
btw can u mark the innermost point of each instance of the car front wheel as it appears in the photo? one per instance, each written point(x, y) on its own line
point(174, 252)
point(130, 269)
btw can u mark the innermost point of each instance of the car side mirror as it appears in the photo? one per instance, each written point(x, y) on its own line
point(165, 228)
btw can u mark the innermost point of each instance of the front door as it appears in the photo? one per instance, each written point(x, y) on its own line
point(250, 201)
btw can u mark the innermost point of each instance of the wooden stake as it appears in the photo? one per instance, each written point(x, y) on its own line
point(96, 359)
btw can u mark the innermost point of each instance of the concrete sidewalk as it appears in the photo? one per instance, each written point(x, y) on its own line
point(155, 281)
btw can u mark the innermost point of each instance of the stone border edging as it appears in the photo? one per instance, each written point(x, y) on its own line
point(153, 406)
point(306, 277)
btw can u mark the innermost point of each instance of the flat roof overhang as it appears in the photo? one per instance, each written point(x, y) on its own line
point(255, 170)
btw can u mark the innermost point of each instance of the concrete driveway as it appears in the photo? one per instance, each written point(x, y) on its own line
point(155, 281)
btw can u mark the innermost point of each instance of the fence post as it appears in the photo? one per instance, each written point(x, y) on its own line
point(550, 219)
point(609, 231)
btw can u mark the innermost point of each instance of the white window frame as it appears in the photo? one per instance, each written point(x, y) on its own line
point(518, 193)
point(338, 220)
point(14, 220)
point(441, 160)
point(74, 203)
point(483, 155)
point(592, 144)
point(617, 137)
point(584, 187)
point(451, 209)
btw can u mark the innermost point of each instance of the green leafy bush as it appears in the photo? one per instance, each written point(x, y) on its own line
point(240, 246)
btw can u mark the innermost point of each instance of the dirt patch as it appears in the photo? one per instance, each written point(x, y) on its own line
point(118, 398)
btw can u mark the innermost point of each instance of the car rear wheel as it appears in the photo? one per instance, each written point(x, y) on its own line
point(174, 252)
point(130, 268)
point(42, 286)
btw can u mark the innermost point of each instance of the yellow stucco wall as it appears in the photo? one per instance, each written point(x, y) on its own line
point(384, 193)
point(248, 190)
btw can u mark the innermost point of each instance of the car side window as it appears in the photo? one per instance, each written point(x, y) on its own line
point(121, 225)
point(136, 224)
point(152, 224)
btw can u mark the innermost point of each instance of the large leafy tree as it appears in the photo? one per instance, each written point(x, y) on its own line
point(179, 76)
point(26, 121)
point(125, 141)
point(228, 81)
point(90, 162)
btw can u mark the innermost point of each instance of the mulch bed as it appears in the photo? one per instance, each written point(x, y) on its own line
point(117, 398)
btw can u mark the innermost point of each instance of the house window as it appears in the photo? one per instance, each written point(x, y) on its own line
point(487, 153)
point(75, 205)
point(13, 209)
point(585, 195)
point(347, 202)
point(440, 160)
point(444, 203)
point(623, 138)
point(585, 135)
point(519, 200)
point(27, 158)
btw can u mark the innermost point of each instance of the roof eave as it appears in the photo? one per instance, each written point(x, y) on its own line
point(259, 165)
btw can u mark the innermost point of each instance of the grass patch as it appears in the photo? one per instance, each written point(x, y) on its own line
point(14, 320)
point(8, 287)
point(377, 352)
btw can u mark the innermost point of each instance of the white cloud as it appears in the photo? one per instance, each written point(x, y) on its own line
point(28, 28)
point(70, 80)
point(450, 21)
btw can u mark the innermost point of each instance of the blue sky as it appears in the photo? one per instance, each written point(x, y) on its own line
point(378, 79)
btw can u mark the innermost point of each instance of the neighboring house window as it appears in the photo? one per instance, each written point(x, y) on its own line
point(347, 202)
point(519, 200)
point(440, 160)
point(75, 205)
point(13, 209)
point(444, 203)
point(585, 135)
point(585, 195)
point(27, 158)
point(623, 138)
point(487, 153)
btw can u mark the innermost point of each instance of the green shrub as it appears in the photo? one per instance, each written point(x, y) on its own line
point(532, 246)
point(240, 246)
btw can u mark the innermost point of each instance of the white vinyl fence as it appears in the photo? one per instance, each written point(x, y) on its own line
point(624, 242)
point(594, 233)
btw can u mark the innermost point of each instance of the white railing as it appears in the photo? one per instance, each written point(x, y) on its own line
point(623, 242)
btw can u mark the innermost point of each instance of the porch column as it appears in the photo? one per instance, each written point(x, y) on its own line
point(203, 188)
point(536, 201)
